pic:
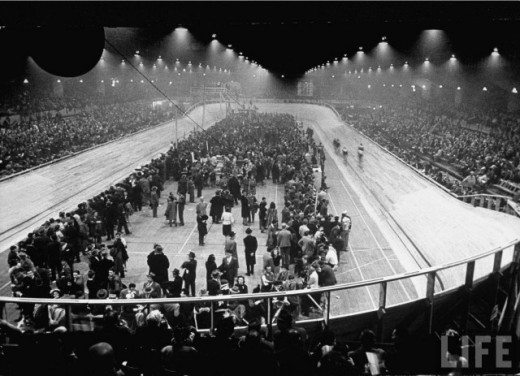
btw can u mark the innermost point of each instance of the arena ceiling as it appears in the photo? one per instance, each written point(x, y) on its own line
point(284, 37)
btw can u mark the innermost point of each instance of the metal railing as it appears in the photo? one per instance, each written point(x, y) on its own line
point(431, 273)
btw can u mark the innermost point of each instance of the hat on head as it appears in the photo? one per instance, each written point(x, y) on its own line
point(204, 217)
point(102, 294)
point(58, 291)
point(191, 254)
point(248, 230)
point(232, 233)
point(344, 212)
point(151, 275)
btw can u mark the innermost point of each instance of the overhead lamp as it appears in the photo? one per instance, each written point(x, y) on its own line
point(26, 81)
point(383, 39)
point(58, 81)
point(214, 36)
point(495, 52)
point(514, 91)
point(484, 89)
point(453, 58)
point(458, 87)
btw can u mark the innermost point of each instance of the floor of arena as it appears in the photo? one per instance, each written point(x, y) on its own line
point(368, 191)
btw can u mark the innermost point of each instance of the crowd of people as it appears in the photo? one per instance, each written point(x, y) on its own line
point(32, 142)
point(426, 133)
point(303, 248)
point(304, 241)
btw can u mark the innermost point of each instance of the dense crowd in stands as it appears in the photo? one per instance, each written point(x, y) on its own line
point(427, 134)
point(30, 143)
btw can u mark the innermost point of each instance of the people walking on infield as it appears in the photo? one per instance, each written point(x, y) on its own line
point(181, 203)
point(154, 201)
point(217, 207)
point(158, 264)
point(190, 274)
point(201, 208)
point(227, 221)
point(251, 246)
point(229, 267)
point(244, 203)
point(171, 210)
point(262, 215)
point(202, 227)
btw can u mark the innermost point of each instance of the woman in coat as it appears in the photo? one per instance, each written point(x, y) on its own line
point(244, 202)
point(171, 210)
point(272, 214)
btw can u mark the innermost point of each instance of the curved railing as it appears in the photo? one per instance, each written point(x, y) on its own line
point(499, 262)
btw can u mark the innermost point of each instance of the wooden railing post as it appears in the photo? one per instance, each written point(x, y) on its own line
point(327, 316)
point(269, 320)
point(468, 287)
point(430, 291)
point(212, 311)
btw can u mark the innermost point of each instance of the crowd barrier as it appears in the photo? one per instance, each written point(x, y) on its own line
point(321, 298)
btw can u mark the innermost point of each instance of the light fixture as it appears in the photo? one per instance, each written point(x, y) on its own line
point(101, 81)
point(484, 89)
point(58, 81)
point(214, 36)
point(514, 91)
point(424, 86)
point(137, 53)
point(458, 87)
point(81, 81)
point(426, 60)
point(383, 39)
point(453, 58)
point(440, 86)
point(495, 52)
point(26, 81)
point(369, 86)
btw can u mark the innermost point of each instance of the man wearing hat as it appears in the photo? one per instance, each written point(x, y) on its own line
point(251, 245)
point(151, 286)
point(158, 264)
point(189, 276)
point(229, 267)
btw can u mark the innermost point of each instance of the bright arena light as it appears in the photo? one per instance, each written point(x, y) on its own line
point(514, 91)
point(495, 52)
point(484, 89)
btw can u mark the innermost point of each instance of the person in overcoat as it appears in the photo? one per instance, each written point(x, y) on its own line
point(229, 267)
point(217, 207)
point(244, 202)
point(251, 245)
point(171, 210)
point(154, 201)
